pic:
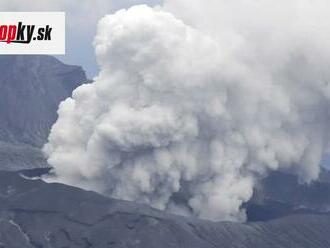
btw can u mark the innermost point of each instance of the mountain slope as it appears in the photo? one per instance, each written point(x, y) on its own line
point(31, 87)
point(36, 214)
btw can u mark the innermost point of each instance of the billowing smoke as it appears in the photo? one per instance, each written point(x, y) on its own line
point(190, 109)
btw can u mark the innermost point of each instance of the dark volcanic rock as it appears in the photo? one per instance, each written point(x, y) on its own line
point(281, 194)
point(31, 88)
point(37, 214)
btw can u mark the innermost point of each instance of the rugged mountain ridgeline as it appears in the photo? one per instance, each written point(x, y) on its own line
point(36, 214)
point(31, 88)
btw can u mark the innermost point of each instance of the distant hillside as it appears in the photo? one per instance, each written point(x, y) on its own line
point(280, 194)
point(31, 87)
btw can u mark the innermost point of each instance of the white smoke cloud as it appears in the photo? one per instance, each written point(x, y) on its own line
point(205, 102)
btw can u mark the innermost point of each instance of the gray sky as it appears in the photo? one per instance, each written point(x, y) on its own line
point(81, 20)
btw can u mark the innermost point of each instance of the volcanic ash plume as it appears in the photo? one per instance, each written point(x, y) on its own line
point(187, 114)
